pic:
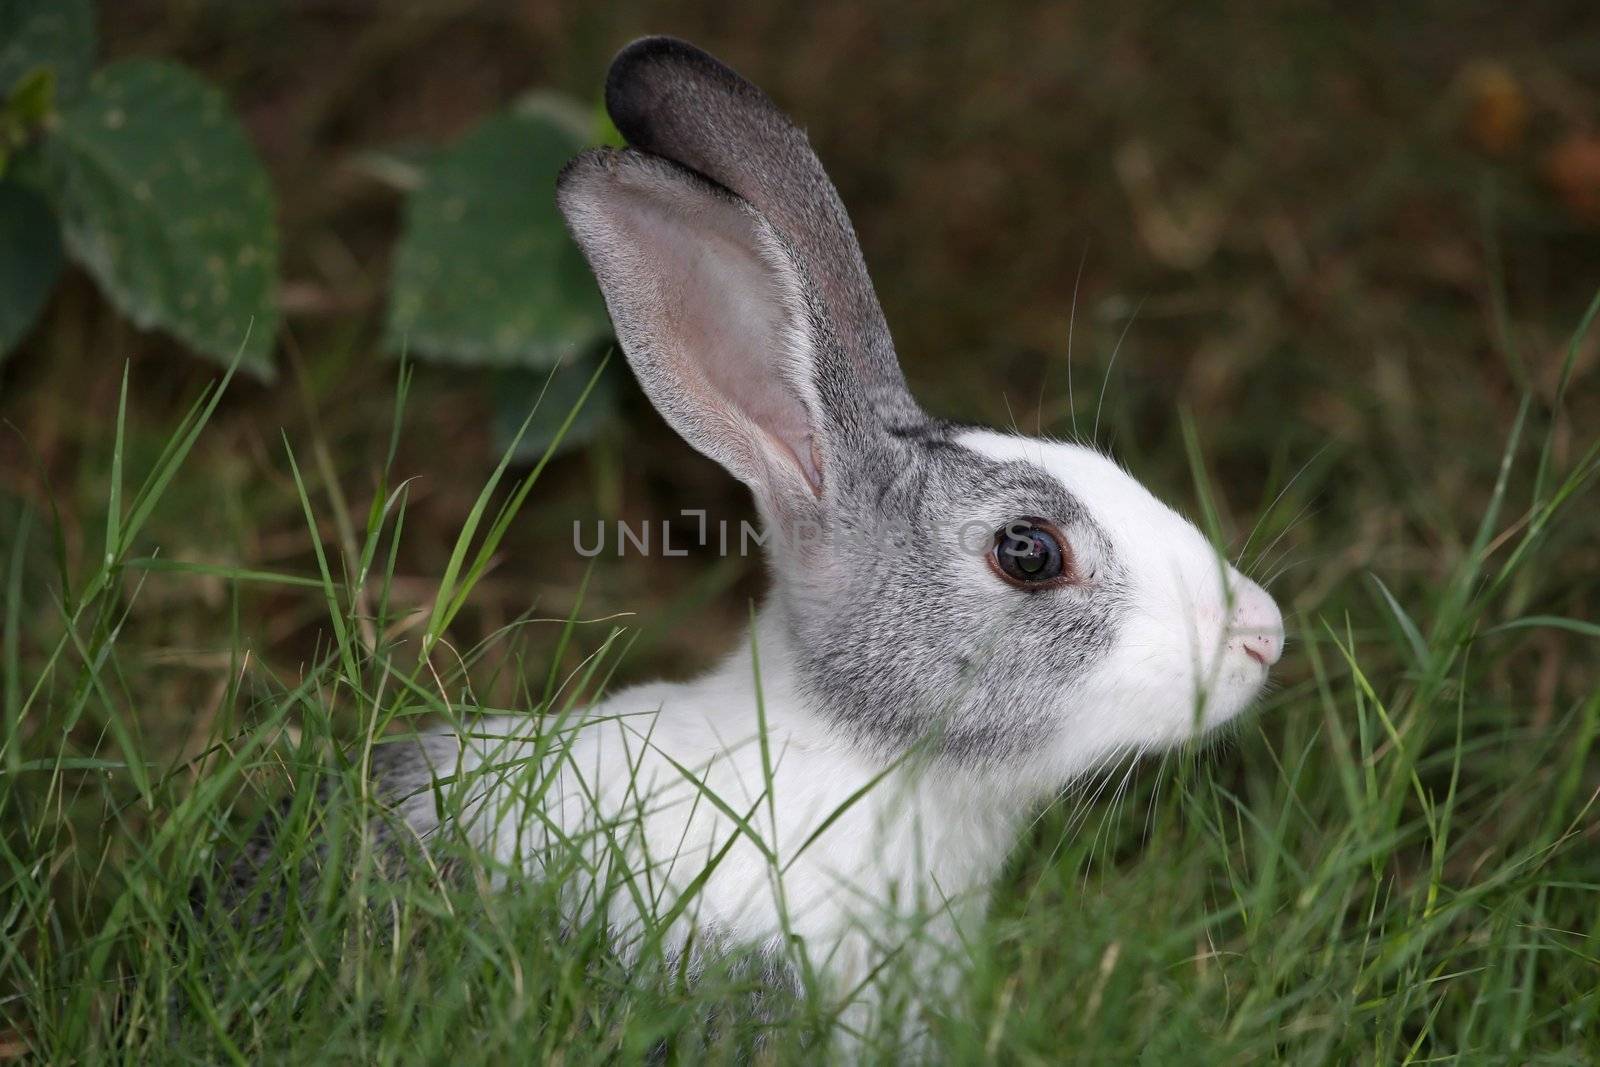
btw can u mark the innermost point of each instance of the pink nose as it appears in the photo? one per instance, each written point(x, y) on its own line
point(1256, 626)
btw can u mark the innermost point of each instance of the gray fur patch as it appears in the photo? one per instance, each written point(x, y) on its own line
point(911, 651)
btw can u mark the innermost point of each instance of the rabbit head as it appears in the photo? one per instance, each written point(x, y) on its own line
point(1012, 602)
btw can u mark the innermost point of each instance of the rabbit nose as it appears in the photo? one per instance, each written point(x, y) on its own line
point(1257, 627)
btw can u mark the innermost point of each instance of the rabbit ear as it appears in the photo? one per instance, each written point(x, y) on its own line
point(712, 312)
point(673, 100)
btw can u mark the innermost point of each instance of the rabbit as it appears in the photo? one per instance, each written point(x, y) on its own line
point(961, 621)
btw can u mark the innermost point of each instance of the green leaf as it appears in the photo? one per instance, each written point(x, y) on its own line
point(30, 261)
point(164, 202)
point(485, 272)
point(1549, 622)
point(53, 34)
point(556, 393)
point(1414, 639)
point(33, 98)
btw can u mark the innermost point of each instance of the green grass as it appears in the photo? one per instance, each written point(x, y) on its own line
point(1395, 858)
point(1394, 861)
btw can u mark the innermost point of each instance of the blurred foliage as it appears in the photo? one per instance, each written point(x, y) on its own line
point(552, 395)
point(486, 275)
point(30, 259)
point(57, 35)
point(160, 196)
point(163, 201)
point(485, 272)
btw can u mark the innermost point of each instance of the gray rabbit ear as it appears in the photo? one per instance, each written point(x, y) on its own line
point(673, 100)
point(713, 315)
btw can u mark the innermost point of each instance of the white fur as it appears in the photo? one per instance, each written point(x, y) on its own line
point(927, 835)
point(741, 300)
point(1179, 665)
point(916, 842)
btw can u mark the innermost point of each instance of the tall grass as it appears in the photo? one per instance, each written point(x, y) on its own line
point(1395, 860)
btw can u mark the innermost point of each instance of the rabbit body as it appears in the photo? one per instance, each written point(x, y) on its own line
point(809, 837)
point(961, 623)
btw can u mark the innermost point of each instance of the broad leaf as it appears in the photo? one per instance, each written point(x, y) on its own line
point(55, 34)
point(485, 272)
point(30, 260)
point(164, 202)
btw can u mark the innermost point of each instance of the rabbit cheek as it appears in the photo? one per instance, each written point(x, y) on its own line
point(926, 655)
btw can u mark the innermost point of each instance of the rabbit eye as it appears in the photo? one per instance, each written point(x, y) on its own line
point(1029, 553)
